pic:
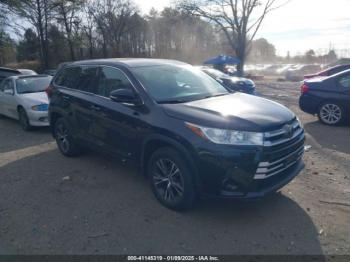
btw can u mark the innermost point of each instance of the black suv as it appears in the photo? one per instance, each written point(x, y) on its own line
point(188, 135)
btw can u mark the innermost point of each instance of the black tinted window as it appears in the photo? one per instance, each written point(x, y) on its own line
point(84, 78)
point(88, 79)
point(112, 79)
point(68, 77)
point(345, 81)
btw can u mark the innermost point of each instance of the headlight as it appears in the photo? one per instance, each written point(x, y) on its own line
point(228, 137)
point(42, 107)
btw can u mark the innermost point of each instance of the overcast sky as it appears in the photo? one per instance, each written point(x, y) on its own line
point(298, 26)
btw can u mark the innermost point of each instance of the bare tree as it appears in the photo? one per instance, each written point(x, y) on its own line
point(67, 13)
point(37, 13)
point(240, 20)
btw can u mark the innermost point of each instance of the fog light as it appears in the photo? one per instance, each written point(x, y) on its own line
point(229, 185)
point(43, 119)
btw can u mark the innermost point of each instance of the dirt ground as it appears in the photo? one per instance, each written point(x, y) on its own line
point(50, 204)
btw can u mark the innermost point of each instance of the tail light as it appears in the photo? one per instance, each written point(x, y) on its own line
point(304, 88)
point(48, 91)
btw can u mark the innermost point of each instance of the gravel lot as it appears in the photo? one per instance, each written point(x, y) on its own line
point(50, 204)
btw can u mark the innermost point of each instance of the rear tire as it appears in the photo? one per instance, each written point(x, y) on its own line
point(64, 139)
point(23, 119)
point(171, 180)
point(331, 114)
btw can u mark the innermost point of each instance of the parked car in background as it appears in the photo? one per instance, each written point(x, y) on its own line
point(24, 98)
point(233, 83)
point(187, 133)
point(329, 71)
point(7, 72)
point(297, 73)
point(327, 97)
point(27, 72)
point(50, 72)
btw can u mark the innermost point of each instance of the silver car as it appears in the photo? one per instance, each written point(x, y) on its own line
point(24, 98)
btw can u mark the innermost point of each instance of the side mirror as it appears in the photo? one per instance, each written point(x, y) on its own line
point(124, 96)
point(9, 92)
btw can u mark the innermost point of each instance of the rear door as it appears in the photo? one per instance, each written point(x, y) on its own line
point(77, 85)
point(343, 86)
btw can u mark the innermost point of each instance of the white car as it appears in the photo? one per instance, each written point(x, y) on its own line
point(27, 72)
point(24, 98)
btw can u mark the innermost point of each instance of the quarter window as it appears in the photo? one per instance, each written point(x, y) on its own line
point(345, 81)
point(112, 79)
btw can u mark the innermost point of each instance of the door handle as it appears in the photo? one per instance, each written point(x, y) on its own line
point(95, 108)
point(67, 98)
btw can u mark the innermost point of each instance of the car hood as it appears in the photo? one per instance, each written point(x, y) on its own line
point(35, 98)
point(236, 111)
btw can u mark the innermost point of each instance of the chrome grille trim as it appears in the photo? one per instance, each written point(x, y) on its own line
point(267, 164)
point(268, 136)
point(264, 170)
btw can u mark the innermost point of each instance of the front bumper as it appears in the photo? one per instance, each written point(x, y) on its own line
point(248, 172)
point(271, 186)
point(38, 118)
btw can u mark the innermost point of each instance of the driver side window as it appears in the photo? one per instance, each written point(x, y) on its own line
point(112, 79)
point(345, 81)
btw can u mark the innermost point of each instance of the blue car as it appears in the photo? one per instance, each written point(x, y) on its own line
point(327, 97)
point(233, 83)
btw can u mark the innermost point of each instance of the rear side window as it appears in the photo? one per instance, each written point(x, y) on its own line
point(112, 79)
point(336, 70)
point(84, 78)
point(7, 85)
point(68, 77)
point(345, 81)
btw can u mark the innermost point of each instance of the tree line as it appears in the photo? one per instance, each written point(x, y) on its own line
point(56, 31)
point(66, 30)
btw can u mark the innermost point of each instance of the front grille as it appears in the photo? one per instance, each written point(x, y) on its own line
point(283, 149)
point(283, 135)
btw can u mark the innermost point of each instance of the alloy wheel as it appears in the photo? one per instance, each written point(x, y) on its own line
point(168, 180)
point(62, 137)
point(331, 114)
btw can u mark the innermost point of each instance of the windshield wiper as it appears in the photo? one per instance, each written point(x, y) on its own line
point(217, 95)
point(174, 101)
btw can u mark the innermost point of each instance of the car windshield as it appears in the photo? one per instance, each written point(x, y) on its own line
point(178, 84)
point(32, 84)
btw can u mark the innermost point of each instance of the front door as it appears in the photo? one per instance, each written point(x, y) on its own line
point(8, 105)
point(116, 126)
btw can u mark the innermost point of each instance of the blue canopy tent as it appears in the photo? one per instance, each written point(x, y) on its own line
point(222, 60)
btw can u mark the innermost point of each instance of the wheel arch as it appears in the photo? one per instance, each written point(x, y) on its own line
point(156, 142)
point(54, 116)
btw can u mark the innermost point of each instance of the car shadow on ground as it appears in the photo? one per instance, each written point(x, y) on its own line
point(19, 138)
point(331, 137)
point(94, 205)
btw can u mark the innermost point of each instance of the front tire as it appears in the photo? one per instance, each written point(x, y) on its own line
point(64, 139)
point(24, 120)
point(171, 180)
point(331, 113)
